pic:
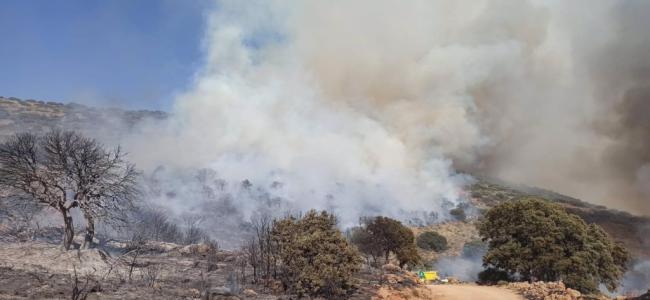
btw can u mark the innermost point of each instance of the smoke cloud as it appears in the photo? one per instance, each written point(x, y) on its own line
point(364, 107)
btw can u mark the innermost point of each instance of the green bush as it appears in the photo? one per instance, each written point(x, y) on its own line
point(314, 257)
point(432, 240)
point(539, 240)
point(458, 213)
point(492, 276)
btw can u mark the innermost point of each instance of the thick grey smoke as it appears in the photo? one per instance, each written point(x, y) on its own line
point(368, 107)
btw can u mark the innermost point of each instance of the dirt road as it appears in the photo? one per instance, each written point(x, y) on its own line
point(472, 292)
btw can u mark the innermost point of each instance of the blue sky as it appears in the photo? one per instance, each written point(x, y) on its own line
point(130, 53)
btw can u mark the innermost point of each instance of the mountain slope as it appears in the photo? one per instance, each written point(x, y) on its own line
point(30, 115)
point(633, 231)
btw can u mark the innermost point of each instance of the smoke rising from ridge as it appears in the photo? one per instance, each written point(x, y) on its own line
point(371, 106)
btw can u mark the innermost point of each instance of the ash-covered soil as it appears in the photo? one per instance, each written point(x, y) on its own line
point(157, 270)
point(41, 270)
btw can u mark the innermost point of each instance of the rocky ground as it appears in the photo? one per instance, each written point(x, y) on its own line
point(40, 270)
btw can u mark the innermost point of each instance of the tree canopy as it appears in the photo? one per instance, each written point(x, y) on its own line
point(432, 240)
point(535, 239)
point(380, 236)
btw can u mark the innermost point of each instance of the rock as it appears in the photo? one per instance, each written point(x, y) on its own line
point(573, 293)
point(194, 293)
point(453, 280)
point(390, 278)
point(391, 268)
point(545, 290)
point(195, 249)
point(249, 293)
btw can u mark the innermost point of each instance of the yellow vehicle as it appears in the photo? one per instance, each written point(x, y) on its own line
point(428, 275)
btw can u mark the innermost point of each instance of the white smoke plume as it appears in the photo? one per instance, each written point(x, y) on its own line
point(365, 107)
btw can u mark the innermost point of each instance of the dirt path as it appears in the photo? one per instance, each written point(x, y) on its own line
point(472, 292)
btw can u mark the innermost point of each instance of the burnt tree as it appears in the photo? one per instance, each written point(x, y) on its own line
point(26, 170)
point(102, 182)
point(64, 169)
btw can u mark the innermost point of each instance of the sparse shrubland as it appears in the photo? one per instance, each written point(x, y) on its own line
point(532, 239)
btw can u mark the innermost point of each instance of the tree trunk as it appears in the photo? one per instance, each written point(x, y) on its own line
point(90, 231)
point(68, 229)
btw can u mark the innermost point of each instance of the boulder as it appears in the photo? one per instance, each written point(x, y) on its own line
point(249, 293)
point(573, 293)
point(545, 290)
point(194, 293)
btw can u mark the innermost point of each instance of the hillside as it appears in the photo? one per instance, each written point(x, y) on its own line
point(168, 272)
point(32, 115)
point(632, 230)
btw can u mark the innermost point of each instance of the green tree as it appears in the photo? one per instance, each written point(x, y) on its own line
point(383, 236)
point(432, 240)
point(363, 240)
point(539, 240)
point(314, 257)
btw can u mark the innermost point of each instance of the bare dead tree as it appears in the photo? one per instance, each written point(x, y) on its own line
point(152, 274)
point(252, 252)
point(212, 256)
point(64, 169)
point(26, 170)
point(262, 225)
point(134, 248)
point(20, 213)
point(80, 292)
point(155, 224)
point(193, 232)
point(101, 181)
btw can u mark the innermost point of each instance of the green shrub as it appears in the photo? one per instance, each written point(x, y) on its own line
point(432, 240)
point(314, 257)
point(539, 240)
point(493, 276)
point(458, 213)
